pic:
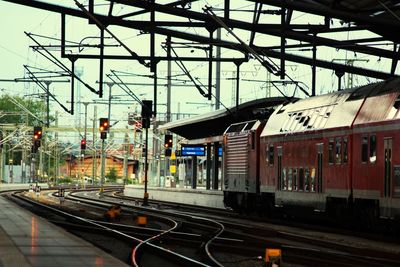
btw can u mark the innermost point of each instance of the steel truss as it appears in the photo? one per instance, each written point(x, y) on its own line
point(384, 24)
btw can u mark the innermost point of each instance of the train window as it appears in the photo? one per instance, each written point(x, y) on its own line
point(396, 104)
point(345, 151)
point(249, 125)
point(306, 121)
point(338, 154)
point(301, 179)
point(364, 149)
point(289, 179)
point(295, 182)
point(271, 155)
point(372, 148)
point(307, 179)
point(331, 152)
point(284, 180)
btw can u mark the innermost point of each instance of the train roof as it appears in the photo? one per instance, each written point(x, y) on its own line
point(338, 109)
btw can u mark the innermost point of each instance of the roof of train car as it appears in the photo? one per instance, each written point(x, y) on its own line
point(216, 122)
point(338, 109)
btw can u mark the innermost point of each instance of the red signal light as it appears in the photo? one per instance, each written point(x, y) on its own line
point(83, 144)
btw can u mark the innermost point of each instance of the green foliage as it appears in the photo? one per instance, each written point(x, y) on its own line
point(14, 114)
point(66, 180)
point(112, 175)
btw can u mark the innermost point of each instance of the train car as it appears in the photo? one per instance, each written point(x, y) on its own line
point(305, 152)
point(332, 153)
point(241, 164)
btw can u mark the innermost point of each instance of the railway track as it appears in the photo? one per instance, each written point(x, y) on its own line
point(214, 241)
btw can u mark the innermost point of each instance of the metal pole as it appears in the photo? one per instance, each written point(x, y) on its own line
point(146, 195)
point(126, 158)
point(169, 85)
point(103, 165)
point(110, 85)
point(48, 104)
point(56, 153)
point(218, 74)
point(94, 156)
point(41, 159)
point(86, 105)
point(1, 164)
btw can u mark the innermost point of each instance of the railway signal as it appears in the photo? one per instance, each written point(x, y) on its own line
point(37, 133)
point(35, 146)
point(83, 144)
point(103, 128)
point(146, 113)
point(168, 142)
point(37, 136)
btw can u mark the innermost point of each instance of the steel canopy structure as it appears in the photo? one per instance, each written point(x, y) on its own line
point(216, 122)
point(268, 33)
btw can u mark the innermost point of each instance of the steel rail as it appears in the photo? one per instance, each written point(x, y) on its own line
point(185, 260)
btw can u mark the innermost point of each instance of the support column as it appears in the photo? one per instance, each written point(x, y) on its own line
point(194, 172)
point(313, 67)
point(218, 74)
point(215, 166)
point(208, 166)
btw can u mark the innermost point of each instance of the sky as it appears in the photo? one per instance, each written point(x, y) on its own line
point(15, 52)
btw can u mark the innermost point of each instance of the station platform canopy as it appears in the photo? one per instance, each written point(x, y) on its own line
point(215, 123)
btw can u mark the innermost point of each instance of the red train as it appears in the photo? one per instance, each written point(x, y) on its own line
point(334, 153)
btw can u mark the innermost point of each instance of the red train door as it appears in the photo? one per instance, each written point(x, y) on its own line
point(387, 182)
point(280, 185)
point(388, 167)
point(320, 149)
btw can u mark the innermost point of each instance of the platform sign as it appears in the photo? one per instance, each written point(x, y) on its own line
point(193, 150)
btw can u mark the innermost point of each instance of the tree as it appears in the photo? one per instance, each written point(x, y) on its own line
point(112, 174)
point(17, 110)
point(14, 110)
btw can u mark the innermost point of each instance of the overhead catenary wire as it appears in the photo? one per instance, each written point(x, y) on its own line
point(57, 62)
point(103, 27)
point(268, 64)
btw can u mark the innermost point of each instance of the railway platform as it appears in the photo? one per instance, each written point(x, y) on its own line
point(27, 240)
point(198, 197)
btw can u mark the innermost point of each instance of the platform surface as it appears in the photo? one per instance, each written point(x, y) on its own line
point(197, 197)
point(28, 240)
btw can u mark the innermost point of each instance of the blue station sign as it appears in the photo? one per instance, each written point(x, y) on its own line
point(193, 150)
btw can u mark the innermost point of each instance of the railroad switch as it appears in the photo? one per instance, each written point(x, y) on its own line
point(273, 257)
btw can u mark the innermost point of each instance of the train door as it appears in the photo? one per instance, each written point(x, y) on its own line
point(280, 186)
point(320, 150)
point(387, 182)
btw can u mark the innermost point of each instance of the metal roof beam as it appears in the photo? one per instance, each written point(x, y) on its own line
point(261, 28)
point(201, 39)
point(378, 25)
point(330, 12)
point(200, 16)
